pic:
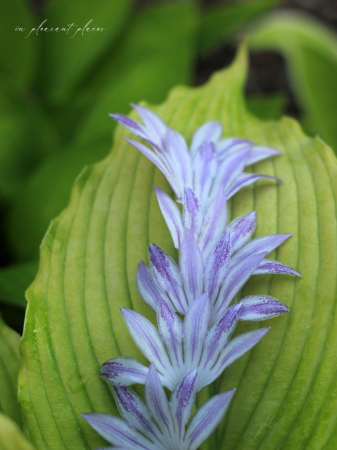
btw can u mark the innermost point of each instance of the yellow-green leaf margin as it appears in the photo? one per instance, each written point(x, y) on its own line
point(286, 394)
point(9, 369)
point(11, 437)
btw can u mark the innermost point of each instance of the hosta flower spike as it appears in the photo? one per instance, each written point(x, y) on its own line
point(160, 424)
point(215, 261)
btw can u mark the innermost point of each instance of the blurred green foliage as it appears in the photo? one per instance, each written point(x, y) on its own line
point(310, 49)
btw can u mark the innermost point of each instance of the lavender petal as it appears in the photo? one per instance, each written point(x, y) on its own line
point(182, 400)
point(229, 169)
point(148, 289)
point(216, 341)
point(259, 153)
point(208, 132)
point(227, 146)
point(156, 400)
point(204, 166)
point(261, 244)
point(270, 266)
point(117, 432)
point(195, 329)
point(242, 229)
point(193, 215)
point(156, 127)
point(171, 332)
point(245, 179)
point(171, 215)
point(176, 146)
point(191, 267)
point(167, 277)
point(147, 339)
point(237, 276)
point(130, 124)
point(235, 349)
point(124, 371)
point(214, 223)
point(207, 418)
point(261, 307)
point(135, 412)
point(162, 166)
point(217, 265)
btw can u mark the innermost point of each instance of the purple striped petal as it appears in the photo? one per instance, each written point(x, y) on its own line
point(207, 418)
point(230, 145)
point(191, 267)
point(156, 127)
point(156, 400)
point(135, 412)
point(261, 244)
point(148, 289)
point(172, 216)
point(130, 124)
point(182, 401)
point(259, 153)
point(171, 332)
point(216, 341)
point(195, 329)
point(261, 307)
point(204, 168)
point(236, 278)
point(236, 348)
point(229, 169)
point(177, 148)
point(124, 371)
point(193, 214)
point(167, 277)
point(244, 180)
point(214, 224)
point(270, 266)
point(117, 432)
point(147, 339)
point(162, 166)
point(242, 229)
point(208, 132)
point(217, 265)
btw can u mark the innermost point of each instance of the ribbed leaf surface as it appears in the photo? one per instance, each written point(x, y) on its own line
point(287, 385)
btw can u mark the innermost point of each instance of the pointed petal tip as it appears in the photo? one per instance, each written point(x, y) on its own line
point(229, 393)
point(125, 311)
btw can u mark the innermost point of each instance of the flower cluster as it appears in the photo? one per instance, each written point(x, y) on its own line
point(215, 261)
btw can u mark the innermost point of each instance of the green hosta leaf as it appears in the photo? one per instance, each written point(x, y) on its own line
point(9, 368)
point(68, 57)
point(17, 55)
point(287, 386)
point(14, 281)
point(311, 52)
point(219, 22)
point(11, 437)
